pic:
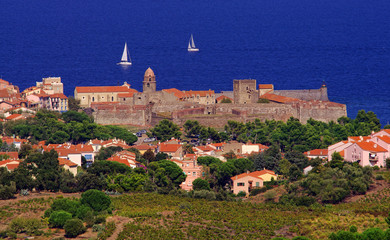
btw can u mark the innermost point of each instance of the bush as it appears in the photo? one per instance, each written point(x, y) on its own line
point(269, 196)
point(100, 219)
point(379, 177)
point(210, 195)
point(83, 211)
point(7, 192)
point(66, 204)
point(96, 199)
point(241, 194)
point(376, 168)
point(108, 231)
point(353, 229)
point(200, 184)
point(256, 191)
point(73, 228)
point(97, 228)
point(58, 218)
point(31, 226)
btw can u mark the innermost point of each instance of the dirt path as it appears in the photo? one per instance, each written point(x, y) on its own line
point(376, 187)
point(120, 223)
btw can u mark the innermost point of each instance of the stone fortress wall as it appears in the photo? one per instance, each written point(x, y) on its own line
point(149, 107)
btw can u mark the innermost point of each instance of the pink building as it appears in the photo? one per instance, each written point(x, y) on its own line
point(191, 169)
point(366, 154)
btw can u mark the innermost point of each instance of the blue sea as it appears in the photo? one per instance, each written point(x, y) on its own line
point(293, 44)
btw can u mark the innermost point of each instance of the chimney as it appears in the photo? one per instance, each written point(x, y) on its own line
point(247, 172)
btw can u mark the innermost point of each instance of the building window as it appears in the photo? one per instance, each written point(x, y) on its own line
point(257, 184)
point(83, 98)
point(240, 184)
point(93, 99)
point(124, 99)
point(194, 174)
point(112, 98)
point(150, 79)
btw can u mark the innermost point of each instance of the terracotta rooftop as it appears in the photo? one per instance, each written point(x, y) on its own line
point(14, 116)
point(371, 146)
point(266, 86)
point(92, 89)
point(169, 147)
point(179, 94)
point(358, 138)
point(63, 161)
point(278, 98)
point(199, 93)
point(317, 152)
point(256, 174)
point(385, 138)
point(220, 98)
point(58, 95)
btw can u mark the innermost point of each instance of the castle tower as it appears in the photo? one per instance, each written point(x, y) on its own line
point(149, 83)
point(324, 92)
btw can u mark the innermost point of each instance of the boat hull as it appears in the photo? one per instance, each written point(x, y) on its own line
point(193, 49)
point(124, 63)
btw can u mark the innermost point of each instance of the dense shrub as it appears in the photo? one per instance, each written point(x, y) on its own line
point(30, 226)
point(73, 228)
point(256, 191)
point(241, 194)
point(96, 199)
point(210, 195)
point(83, 211)
point(58, 218)
point(379, 177)
point(7, 192)
point(200, 184)
point(66, 204)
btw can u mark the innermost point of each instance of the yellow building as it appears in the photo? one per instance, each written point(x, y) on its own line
point(88, 95)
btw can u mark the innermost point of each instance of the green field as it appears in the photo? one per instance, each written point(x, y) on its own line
point(153, 216)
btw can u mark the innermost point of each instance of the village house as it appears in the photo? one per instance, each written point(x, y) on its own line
point(50, 85)
point(10, 164)
point(174, 151)
point(366, 153)
point(317, 153)
point(245, 182)
point(89, 95)
point(253, 148)
point(68, 165)
point(191, 169)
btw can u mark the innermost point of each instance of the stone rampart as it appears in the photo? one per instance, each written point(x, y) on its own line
point(305, 94)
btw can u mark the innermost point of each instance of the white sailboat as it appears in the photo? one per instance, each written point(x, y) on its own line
point(125, 60)
point(191, 45)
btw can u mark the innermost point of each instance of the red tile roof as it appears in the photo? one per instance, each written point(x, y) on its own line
point(63, 161)
point(317, 152)
point(358, 138)
point(144, 147)
point(12, 155)
point(200, 93)
point(278, 98)
point(102, 89)
point(58, 95)
point(220, 98)
point(266, 86)
point(14, 116)
point(169, 147)
point(371, 146)
point(12, 166)
point(256, 174)
point(179, 94)
point(385, 138)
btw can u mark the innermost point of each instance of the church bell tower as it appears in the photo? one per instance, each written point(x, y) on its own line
point(149, 83)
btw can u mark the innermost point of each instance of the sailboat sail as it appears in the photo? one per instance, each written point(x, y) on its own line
point(125, 60)
point(192, 42)
point(191, 45)
point(124, 55)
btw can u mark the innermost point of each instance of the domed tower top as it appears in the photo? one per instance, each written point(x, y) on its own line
point(149, 73)
point(149, 83)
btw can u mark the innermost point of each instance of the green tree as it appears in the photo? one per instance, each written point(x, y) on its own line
point(192, 128)
point(73, 104)
point(96, 200)
point(165, 130)
point(226, 100)
point(73, 228)
point(200, 184)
